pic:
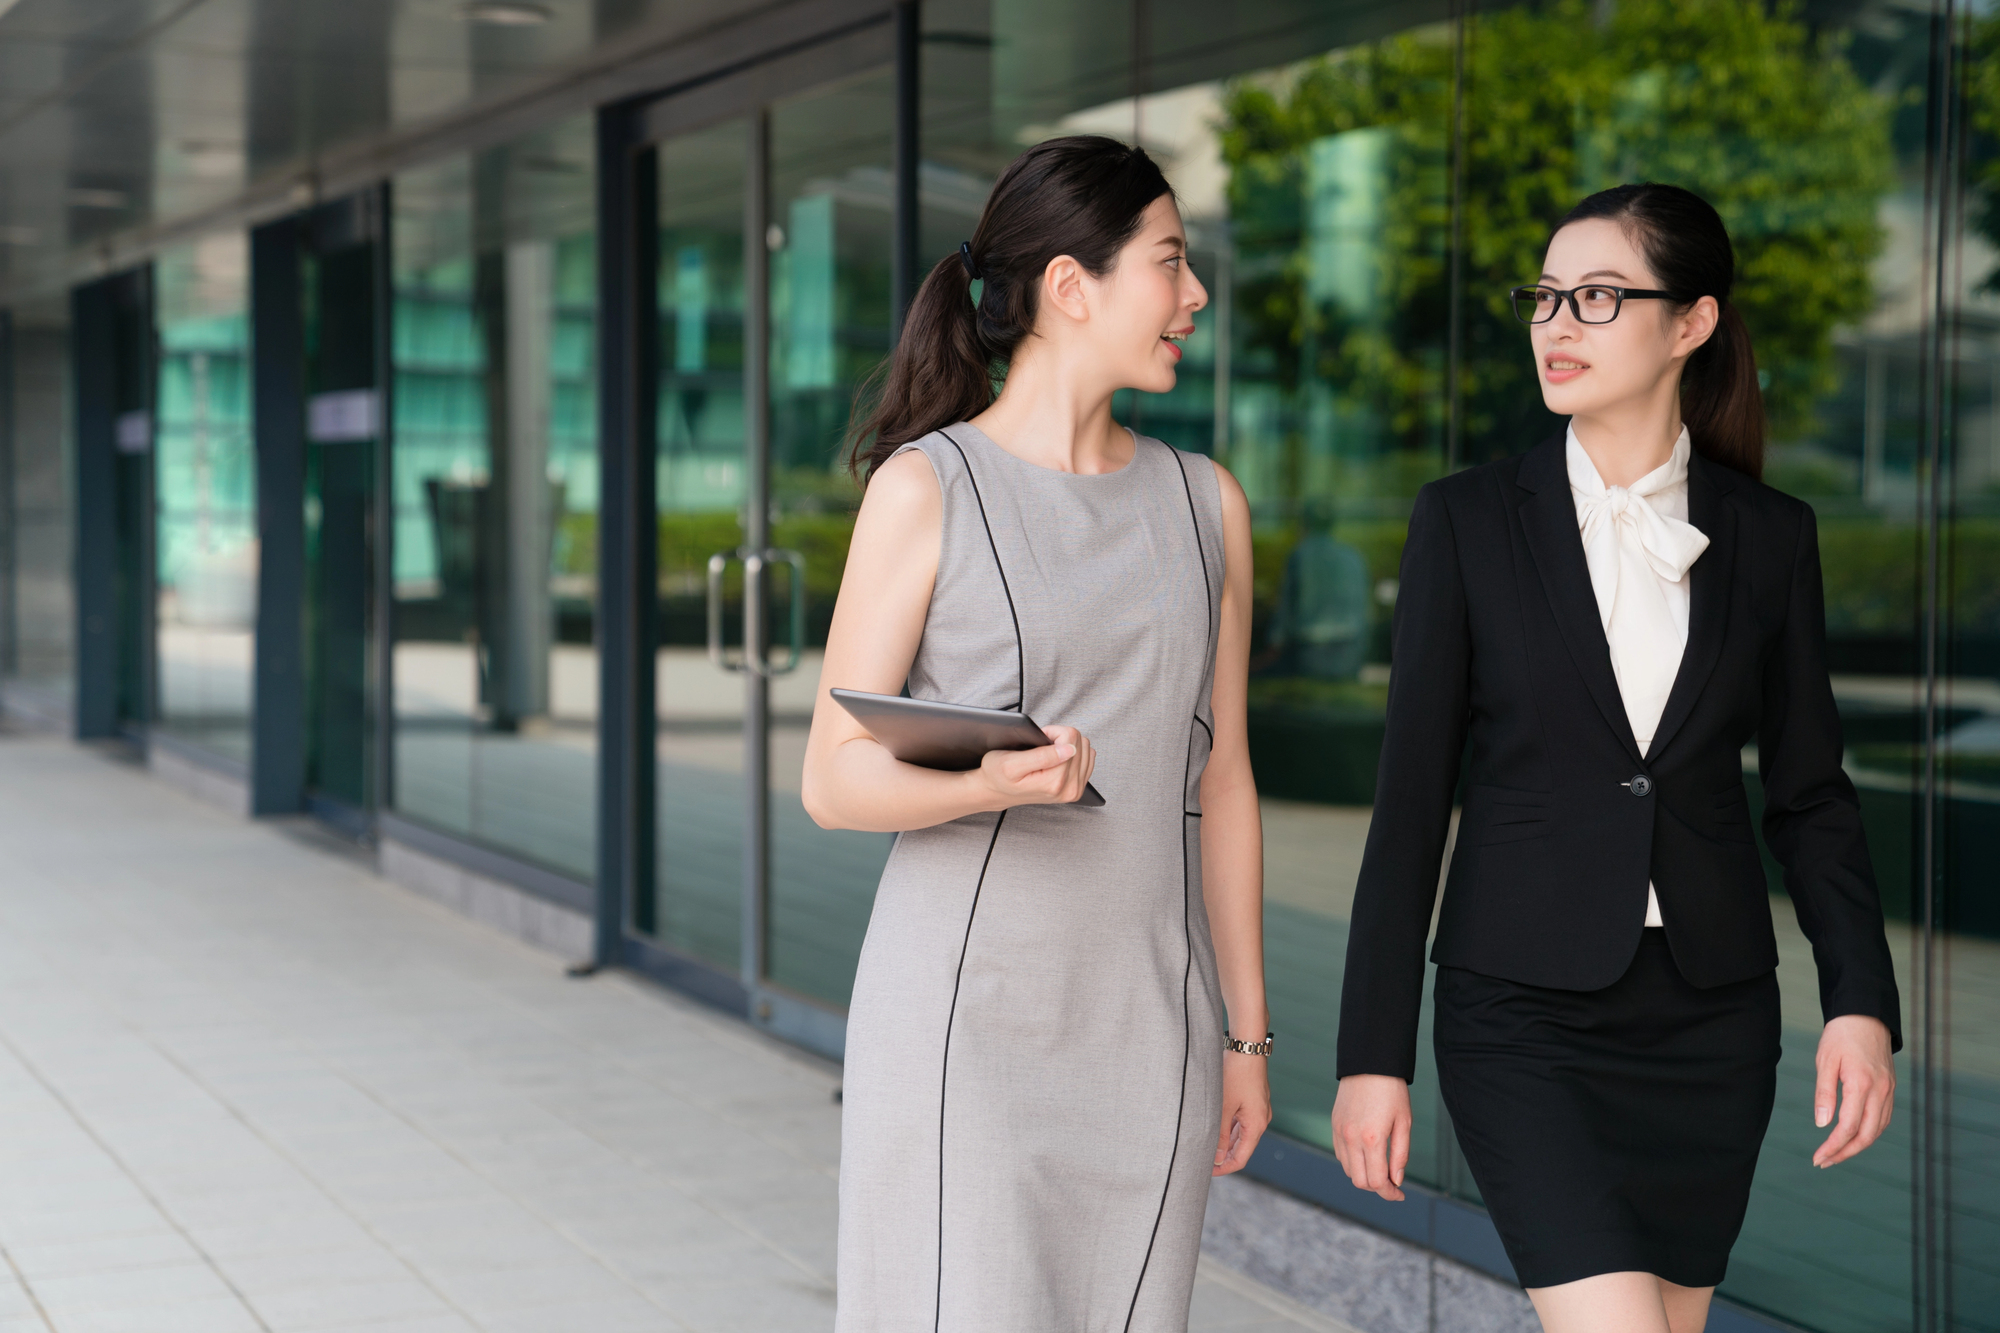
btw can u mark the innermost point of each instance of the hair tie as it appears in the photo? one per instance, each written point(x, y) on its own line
point(965, 258)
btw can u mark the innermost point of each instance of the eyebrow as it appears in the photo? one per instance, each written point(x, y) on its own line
point(1594, 273)
point(1177, 242)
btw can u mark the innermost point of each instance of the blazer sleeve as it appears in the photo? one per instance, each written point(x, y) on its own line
point(1431, 656)
point(1812, 817)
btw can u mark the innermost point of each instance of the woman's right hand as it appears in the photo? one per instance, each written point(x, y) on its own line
point(1371, 1131)
point(1051, 774)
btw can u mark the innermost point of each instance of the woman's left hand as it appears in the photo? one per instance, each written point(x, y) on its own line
point(1853, 1058)
point(1246, 1109)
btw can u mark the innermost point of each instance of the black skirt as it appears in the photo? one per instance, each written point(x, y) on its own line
point(1613, 1130)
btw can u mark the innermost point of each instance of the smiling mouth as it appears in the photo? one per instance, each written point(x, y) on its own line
point(1174, 338)
point(1562, 363)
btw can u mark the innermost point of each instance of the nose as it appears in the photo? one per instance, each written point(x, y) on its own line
point(1200, 298)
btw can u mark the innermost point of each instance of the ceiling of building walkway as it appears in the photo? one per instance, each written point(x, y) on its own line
point(121, 117)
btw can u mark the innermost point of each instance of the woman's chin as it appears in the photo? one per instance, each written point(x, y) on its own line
point(1566, 402)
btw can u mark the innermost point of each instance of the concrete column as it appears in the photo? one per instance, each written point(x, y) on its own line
point(527, 622)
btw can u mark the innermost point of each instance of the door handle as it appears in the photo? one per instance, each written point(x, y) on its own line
point(796, 648)
point(755, 657)
point(718, 656)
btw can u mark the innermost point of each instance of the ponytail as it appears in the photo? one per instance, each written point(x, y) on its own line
point(1688, 249)
point(1083, 196)
point(941, 372)
point(1721, 404)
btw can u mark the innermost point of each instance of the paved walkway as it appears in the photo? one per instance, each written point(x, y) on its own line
point(245, 1084)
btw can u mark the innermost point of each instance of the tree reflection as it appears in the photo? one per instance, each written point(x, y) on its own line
point(1348, 159)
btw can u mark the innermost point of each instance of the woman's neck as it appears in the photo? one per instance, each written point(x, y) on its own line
point(1624, 446)
point(1048, 414)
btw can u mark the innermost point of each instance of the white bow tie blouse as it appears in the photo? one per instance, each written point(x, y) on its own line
point(1639, 547)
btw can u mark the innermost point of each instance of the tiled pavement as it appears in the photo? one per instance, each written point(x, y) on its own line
point(245, 1084)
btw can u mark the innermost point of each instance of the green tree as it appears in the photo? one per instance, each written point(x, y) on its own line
point(1982, 95)
point(1739, 102)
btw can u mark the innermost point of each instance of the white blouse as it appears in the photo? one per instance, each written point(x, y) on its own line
point(1640, 546)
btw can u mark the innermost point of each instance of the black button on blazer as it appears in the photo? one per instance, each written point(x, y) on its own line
point(1497, 637)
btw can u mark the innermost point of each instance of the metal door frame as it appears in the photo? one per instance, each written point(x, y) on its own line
point(367, 215)
point(102, 312)
point(628, 195)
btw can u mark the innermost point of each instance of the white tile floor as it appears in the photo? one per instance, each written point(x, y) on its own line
point(245, 1084)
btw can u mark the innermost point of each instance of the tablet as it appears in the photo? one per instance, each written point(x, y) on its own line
point(953, 737)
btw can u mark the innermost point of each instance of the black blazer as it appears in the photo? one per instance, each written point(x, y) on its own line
point(1497, 635)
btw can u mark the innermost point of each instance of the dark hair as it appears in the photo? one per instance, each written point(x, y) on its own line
point(1083, 196)
point(1688, 249)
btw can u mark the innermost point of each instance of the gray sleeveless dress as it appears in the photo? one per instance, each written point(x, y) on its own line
point(1034, 1050)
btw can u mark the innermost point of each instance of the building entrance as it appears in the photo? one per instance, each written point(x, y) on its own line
point(771, 230)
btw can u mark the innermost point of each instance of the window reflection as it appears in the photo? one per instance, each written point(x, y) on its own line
point(1965, 954)
point(206, 496)
point(1815, 175)
point(695, 902)
point(1360, 197)
point(830, 326)
point(1317, 374)
point(495, 498)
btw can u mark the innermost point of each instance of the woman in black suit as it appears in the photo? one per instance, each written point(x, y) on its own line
point(1609, 619)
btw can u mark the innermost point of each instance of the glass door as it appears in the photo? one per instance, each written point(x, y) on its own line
point(702, 472)
point(832, 242)
point(773, 228)
point(206, 497)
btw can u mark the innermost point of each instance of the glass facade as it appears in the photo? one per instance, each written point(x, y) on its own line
point(493, 497)
point(205, 492)
point(702, 470)
point(831, 324)
point(1362, 184)
point(817, 169)
point(1945, 770)
point(1361, 191)
point(38, 656)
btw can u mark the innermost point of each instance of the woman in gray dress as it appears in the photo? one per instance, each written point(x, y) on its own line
point(1038, 1086)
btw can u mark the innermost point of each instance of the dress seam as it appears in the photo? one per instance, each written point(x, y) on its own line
point(1187, 931)
point(1020, 650)
point(1207, 585)
point(944, 1061)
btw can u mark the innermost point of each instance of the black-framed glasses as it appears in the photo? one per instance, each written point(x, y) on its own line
point(1590, 305)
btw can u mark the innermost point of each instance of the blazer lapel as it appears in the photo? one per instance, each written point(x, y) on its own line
point(1708, 595)
point(1549, 518)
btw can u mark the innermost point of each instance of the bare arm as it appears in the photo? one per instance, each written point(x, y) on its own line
point(1232, 848)
point(850, 781)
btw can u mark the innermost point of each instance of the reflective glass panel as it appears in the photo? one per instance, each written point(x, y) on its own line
point(1963, 950)
point(1363, 187)
point(495, 498)
point(40, 653)
point(830, 326)
point(1812, 174)
point(205, 489)
point(696, 900)
point(1312, 176)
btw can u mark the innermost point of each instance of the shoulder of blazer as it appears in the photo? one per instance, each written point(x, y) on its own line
point(1748, 490)
point(1495, 480)
point(1774, 516)
point(1537, 468)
